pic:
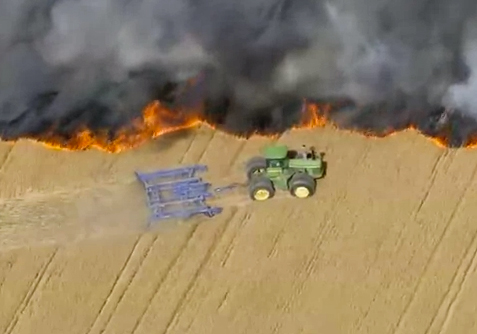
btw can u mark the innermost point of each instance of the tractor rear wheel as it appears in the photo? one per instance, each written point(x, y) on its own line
point(261, 188)
point(255, 165)
point(302, 185)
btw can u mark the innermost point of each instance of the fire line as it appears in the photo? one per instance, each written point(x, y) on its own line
point(158, 120)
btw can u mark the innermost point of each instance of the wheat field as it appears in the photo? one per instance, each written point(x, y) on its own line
point(386, 246)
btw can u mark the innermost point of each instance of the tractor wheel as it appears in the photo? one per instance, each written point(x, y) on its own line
point(302, 185)
point(254, 165)
point(261, 188)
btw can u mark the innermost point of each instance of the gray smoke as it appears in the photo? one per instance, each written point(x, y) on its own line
point(463, 95)
point(66, 62)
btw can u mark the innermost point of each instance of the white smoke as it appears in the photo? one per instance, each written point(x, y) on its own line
point(463, 96)
point(351, 57)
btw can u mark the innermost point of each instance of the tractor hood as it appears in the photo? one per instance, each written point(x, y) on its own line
point(302, 163)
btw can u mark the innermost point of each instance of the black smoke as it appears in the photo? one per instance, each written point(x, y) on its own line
point(97, 63)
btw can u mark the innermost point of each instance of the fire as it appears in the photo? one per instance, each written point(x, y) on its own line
point(317, 116)
point(158, 120)
point(314, 116)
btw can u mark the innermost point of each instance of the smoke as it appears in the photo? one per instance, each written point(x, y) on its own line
point(463, 95)
point(97, 63)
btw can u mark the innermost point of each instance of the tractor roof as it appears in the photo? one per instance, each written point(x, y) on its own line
point(275, 152)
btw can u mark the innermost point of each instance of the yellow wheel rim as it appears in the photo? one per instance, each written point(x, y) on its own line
point(302, 192)
point(261, 195)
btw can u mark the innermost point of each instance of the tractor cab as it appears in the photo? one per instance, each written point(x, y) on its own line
point(276, 163)
point(276, 156)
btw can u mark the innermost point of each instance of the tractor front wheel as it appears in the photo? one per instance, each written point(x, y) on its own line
point(255, 165)
point(302, 185)
point(261, 188)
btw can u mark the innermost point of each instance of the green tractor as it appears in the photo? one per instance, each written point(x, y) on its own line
point(284, 169)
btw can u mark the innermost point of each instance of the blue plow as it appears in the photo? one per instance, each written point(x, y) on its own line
point(177, 193)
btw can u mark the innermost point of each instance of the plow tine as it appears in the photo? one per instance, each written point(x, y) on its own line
point(177, 193)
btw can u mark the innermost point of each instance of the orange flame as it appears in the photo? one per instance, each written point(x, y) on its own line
point(317, 116)
point(158, 120)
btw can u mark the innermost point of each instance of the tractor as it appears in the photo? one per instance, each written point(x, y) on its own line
point(284, 169)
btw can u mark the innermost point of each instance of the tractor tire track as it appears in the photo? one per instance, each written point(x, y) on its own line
point(6, 158)
point(276, 240)
point(230, 247)
point(450, 221)
point(469, 269)
point(206, 147)
point(5, 269)
point(193, 282)
point(324, 229)
point(133, 275)
point(327, 226)
point(244, 218)
point(460, 277)
point(440, 160)
point(236, 156)
point(434, 172)
point(32, 289)
point(116, 288)
point(164, 277)
point(7, 192)
point(189, 147)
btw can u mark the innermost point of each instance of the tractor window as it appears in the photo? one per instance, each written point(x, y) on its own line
point(275, 163)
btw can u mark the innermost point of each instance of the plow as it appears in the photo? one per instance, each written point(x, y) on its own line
point(177, 193)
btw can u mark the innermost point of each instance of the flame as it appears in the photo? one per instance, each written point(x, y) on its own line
point(317, 116)
point(158, 120)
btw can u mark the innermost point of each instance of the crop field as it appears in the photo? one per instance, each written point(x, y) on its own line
point(386, 246)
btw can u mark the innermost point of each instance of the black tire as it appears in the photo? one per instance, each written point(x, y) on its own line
point(304, 183)
point(254, 165)
point(260, 185)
